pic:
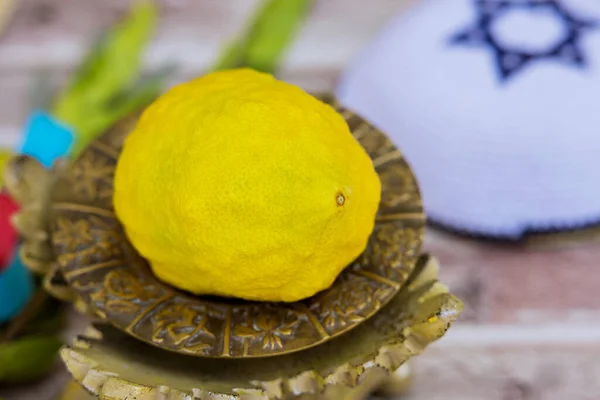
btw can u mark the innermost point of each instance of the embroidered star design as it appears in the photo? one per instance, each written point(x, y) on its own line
point(509, 61)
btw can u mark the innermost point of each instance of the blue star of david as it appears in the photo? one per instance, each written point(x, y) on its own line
point(509, 61)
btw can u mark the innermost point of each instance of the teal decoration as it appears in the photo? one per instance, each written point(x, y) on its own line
point(46, 139)
point(16, 288)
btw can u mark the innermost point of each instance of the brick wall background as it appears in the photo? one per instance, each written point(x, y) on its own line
point(531, 326)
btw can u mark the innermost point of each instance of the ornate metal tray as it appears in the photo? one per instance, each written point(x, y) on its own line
point(113, 365)
point(105, 272)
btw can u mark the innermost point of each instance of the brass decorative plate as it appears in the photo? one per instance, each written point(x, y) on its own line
point(104, 269)
point(113, 365)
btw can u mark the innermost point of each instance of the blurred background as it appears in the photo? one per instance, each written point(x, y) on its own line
point(531, 325)
point(52, 37)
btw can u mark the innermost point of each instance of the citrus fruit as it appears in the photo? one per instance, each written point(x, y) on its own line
point(240, 185)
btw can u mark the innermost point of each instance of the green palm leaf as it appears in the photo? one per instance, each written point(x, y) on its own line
point(269, 35)
point(114, 62)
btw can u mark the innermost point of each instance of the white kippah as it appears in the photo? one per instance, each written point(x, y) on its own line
point(496, 106)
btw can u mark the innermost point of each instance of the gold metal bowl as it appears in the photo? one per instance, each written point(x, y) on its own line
point(103, 269)
point(113, 365)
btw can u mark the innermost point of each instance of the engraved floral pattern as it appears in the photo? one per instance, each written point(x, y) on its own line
point(84, 241)
point(66, 230)
point(122, 292)
point(121, 284)
point(269, 330)
point(348, 304)
point(92, 176)
point(118, 294)
point(393, 251)
point(182, 324)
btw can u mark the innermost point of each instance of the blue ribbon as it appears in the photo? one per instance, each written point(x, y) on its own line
point(46, 139)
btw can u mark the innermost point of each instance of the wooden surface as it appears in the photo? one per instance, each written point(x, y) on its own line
point(531, 327)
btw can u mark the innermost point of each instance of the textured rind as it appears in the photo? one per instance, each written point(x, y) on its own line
point(257, 162)
point(105, 364)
